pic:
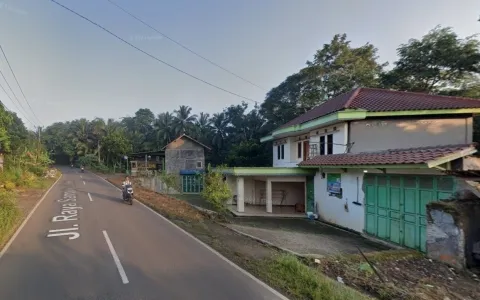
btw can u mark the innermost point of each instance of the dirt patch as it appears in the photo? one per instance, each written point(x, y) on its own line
point(407, 275)
point(166, 204)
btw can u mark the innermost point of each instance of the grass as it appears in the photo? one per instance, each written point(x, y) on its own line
point(15, 183)
point(303, 282)
point(9, 214)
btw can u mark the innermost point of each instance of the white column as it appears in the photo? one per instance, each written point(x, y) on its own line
point(269, 195)
point(240, 194)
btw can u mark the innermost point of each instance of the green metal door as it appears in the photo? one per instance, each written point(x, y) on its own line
point(192, 184)
point(310, 194)
point(395, 206)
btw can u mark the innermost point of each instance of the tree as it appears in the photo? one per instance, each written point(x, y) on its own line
point(439, 62)
point(336, 68)
point(184, 120)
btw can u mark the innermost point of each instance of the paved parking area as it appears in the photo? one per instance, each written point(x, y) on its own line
point(304, 236)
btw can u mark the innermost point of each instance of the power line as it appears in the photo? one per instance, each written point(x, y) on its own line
point(1, 86)
point(183, 46)
point(152, 56)
point(19, 86)
point(15, 96)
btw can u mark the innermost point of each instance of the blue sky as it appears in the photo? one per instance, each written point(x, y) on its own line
point(70, 69)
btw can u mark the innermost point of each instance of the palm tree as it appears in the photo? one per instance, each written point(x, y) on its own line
point(183, 119)
point(164, 129)
point(98, 129)
point(220, 125)
point(81, 136)
point(202, 128)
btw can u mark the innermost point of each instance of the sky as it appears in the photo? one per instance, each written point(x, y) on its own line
point(70, 69)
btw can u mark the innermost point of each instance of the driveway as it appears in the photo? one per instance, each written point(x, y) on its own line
point(82, 242)
point(304, 237)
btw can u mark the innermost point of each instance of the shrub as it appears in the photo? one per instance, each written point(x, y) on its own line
point(171, 181)
point(9, 186)
point(216, 191)
point(9, 214)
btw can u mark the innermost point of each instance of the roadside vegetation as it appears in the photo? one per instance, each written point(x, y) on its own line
point(25, 174)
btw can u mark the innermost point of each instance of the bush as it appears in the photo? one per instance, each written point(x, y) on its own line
point(216, 191)
point(9, 214)
point(9, 186)
point(171, 181)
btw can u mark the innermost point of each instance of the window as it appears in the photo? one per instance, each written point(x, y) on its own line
point(322, 145)
point(281, 151)
point(299, 149)
point(199, 164)
point(330, 144)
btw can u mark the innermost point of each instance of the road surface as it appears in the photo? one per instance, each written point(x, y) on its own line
point(82, 242)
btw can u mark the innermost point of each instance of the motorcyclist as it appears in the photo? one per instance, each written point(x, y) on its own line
point(124, 185)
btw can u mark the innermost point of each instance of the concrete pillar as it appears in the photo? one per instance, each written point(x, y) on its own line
point(240, 194)
point(269, 196)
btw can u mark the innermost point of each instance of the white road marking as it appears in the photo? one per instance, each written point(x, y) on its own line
point(84, 182)
point(116, 259)
point(90, 197)
point(81, 176)
point(27, 218)
point(235, 266)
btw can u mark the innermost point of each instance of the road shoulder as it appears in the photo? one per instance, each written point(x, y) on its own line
point(21, 207)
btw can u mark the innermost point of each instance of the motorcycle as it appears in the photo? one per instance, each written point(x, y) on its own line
point(128, 194)
point(82, 170)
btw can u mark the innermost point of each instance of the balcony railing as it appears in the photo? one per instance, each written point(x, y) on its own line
point(318, 148)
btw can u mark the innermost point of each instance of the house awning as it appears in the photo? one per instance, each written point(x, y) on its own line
point(424, 157)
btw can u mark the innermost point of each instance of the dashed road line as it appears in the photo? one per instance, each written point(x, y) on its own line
point(123, 275)
point(90, 197)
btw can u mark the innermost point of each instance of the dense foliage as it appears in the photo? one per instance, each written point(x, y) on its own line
point(25, 161)
point(440, 62)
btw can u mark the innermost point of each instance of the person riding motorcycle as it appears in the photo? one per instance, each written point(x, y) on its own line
point(124, 186)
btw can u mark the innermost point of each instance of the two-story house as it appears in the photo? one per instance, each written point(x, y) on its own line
point(371, 159)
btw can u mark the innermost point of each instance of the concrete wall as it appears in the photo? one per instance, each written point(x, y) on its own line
point(374, 135)
point(184, 154)
point(332, 209)
point(453, 232)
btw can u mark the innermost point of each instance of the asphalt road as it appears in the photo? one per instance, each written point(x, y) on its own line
point(101, 248)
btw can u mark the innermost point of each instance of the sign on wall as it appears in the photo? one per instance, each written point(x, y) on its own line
point(334, 184)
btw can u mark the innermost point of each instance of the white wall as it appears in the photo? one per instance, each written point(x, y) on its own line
point(332, 209)
point(287, 160)
point(291, 158)
point(340, 135)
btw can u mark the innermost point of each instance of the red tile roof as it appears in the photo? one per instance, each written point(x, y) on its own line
point(387, 157)
point(379, 100)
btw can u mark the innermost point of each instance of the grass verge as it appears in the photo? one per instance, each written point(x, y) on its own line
point(15, 205)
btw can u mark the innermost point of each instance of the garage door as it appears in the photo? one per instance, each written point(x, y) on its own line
point(395, 206)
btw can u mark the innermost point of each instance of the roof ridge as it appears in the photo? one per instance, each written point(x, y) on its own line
point(352, 97)
point(422, 94)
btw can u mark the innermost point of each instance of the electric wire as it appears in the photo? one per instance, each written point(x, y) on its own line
point(152, 56)
point(183, 46)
